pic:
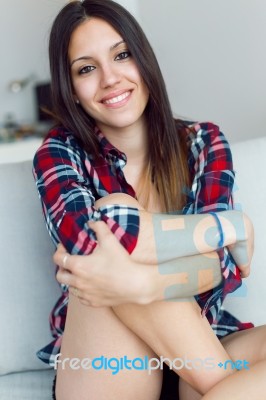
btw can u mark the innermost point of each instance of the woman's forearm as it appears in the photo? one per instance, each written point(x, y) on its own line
point(163, 237)
point(183, 277)
point(109, 276)
point(180, 250)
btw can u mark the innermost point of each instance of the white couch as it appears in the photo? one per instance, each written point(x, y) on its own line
point(28, 289)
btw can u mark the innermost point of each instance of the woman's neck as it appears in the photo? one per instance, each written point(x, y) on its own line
point(131, 140)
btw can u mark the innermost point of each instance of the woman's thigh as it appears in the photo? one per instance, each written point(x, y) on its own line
point(97, 333)
point(248, 347)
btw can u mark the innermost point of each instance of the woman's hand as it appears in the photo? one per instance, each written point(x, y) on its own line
point(108, 276)
point(242, 251)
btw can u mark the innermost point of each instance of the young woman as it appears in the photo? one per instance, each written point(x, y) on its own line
point(112, 176)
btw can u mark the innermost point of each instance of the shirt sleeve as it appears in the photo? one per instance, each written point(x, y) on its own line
point(211, 167)
point(64, 179)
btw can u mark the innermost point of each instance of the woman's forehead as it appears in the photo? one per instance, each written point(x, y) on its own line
point(93, 34)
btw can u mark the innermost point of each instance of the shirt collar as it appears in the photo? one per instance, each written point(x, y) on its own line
point(107, 149)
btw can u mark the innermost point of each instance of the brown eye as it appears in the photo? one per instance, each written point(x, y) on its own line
point(86, 70)
point(123, 55)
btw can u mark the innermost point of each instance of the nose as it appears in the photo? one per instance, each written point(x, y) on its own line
point(110, 75)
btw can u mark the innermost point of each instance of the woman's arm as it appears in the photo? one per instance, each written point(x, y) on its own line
point(68, 182)
point(163, 238)
point(110, 276)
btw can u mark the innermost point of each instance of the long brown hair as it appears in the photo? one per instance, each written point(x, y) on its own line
point(166, 139)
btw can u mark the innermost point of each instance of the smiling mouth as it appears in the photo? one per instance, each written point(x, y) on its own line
point(117, 99)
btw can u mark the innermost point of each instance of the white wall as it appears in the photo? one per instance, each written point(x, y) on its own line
point(212, 54)
point(24, 31)
point(24, 28)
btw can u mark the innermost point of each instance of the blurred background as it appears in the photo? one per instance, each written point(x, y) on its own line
point(211, 53)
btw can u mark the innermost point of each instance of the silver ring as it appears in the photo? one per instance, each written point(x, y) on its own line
point(65, 260)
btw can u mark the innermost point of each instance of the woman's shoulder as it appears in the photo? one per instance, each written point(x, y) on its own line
point(202, 137)
point(59, 134)
point(206, 144)
point(205, 132)
point(59, 146)
point(59, 139)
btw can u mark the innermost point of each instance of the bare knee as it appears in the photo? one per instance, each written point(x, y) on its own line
point(118, 198)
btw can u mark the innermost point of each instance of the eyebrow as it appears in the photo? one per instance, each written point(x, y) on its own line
point(114, 46)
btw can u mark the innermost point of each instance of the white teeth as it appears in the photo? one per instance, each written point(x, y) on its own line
point(117, 99)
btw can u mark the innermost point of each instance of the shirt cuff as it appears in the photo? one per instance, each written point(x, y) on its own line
point(74, 233)
point(123, 222)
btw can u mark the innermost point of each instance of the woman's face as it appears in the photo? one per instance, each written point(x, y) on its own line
point(105, 77)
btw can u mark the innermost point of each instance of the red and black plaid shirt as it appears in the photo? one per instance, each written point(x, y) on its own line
point(69, 181)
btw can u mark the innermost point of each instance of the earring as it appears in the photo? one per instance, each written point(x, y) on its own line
point(77, 101)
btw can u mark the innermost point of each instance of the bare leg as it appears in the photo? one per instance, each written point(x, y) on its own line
point(93, 332)
point(245, 385)
point(172, 330)
point(249, 345)
point(177, 330)
point(186, 392)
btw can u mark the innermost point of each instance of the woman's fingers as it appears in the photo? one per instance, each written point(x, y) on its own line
point(101, 230)
point(65, 277)
point(242, 257)
point(60, 256)
point(106, 239)
point(104, 277)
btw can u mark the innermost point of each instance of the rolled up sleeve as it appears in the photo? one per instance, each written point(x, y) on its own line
point(65, 182)
point(212, 189)
point(211, 166)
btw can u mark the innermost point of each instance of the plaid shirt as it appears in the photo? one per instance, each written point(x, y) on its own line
point(69, 181)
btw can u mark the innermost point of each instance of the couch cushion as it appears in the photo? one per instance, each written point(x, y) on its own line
point(32, 385)
point(28, 289)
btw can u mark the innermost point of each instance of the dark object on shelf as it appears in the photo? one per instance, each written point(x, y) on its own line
point(10, 126)
point(43, 102)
